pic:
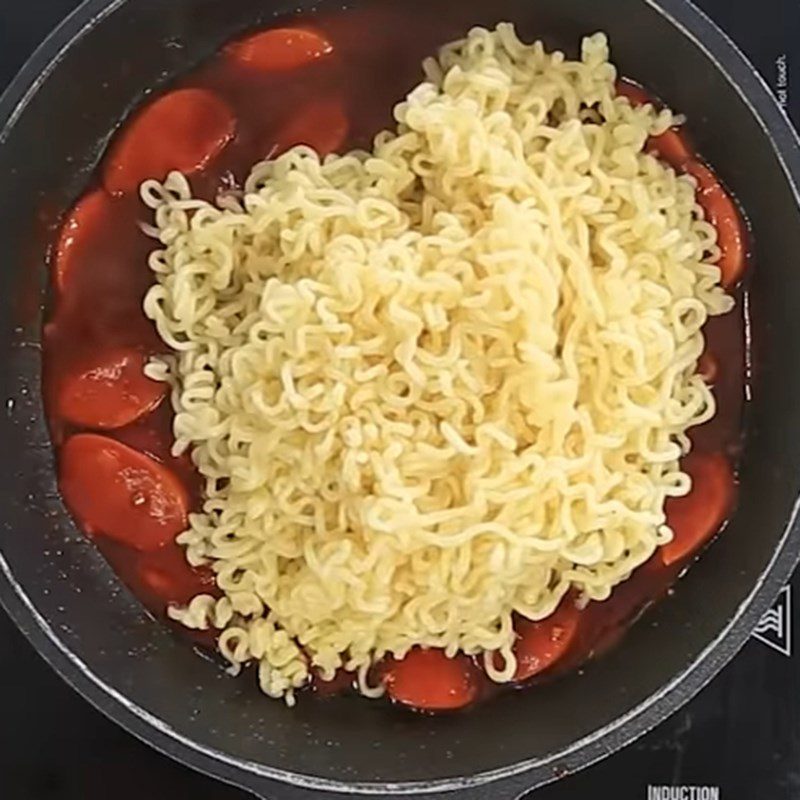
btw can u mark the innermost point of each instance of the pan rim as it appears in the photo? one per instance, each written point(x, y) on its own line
point(531, 773)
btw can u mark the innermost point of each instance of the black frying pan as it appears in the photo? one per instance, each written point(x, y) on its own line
point(54, 122)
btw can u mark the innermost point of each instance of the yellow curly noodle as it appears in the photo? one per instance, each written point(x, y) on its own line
point(440, 383)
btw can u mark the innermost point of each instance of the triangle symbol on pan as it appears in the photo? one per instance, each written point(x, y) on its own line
point(774, 629)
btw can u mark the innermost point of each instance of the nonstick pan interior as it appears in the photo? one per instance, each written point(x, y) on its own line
point(138, 671)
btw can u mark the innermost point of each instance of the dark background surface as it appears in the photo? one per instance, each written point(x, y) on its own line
point(741, 734)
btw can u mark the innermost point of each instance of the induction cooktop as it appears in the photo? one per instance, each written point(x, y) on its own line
point(739, 739)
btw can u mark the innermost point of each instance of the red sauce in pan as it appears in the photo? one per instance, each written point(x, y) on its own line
point(326, 84)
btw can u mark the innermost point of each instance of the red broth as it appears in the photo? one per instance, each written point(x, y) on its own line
point(333, 87)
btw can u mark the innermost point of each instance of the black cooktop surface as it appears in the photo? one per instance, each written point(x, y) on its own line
point(739, 739)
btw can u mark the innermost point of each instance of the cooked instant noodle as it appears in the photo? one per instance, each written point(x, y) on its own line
point(435, 386)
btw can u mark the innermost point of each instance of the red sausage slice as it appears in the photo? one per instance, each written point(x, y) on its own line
point(430, 681)
point(541, 644)
point(182, 130)
point(637, 96)
point(118, 492)
point(108, 390)
point(724, 216)
point(322, 125)
point(708, 367)
point(88, 218)
point(279, 49)
point(167, 576)
point(671, 147)
point(697, 516)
